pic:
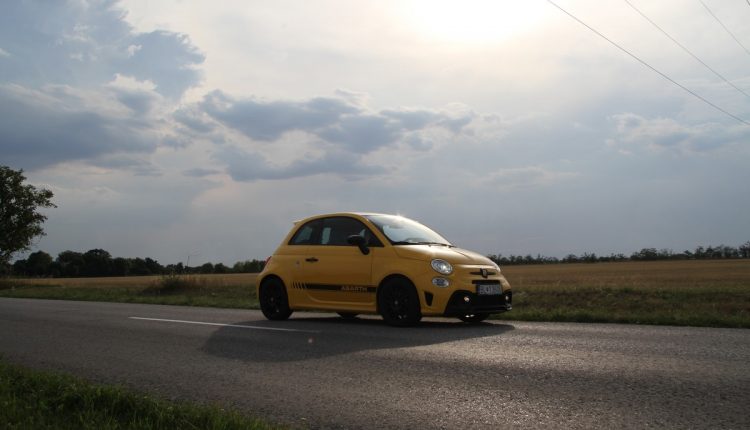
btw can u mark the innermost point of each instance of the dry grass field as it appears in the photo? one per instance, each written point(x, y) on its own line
point(700, 293)
point(723, 274)
point(227, 280)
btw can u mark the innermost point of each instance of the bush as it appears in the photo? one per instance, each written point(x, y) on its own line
point(172, 283)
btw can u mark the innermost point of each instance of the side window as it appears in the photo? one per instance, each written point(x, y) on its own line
point(306, 235)
point(336, 230)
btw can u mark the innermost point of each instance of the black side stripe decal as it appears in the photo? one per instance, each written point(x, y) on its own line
point(331, 287)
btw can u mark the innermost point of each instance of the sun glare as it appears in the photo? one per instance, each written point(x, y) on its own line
point(475, 21)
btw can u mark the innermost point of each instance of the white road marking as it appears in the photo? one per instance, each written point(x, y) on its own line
point(225, 325)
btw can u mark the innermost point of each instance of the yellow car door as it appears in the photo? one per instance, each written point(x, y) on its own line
point(335, 274)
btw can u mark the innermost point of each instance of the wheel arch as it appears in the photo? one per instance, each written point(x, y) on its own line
point(389, 278)
point(266, 278)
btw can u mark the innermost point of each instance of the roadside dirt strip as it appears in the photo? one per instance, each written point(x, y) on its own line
point(319, 371)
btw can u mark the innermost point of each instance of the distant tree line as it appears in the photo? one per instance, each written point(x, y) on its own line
point(646, 254)
point(98, 262)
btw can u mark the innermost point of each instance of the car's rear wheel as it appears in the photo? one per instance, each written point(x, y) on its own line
point(274, 302)
point(347, 315)
point(398, 303)
point(473, 318)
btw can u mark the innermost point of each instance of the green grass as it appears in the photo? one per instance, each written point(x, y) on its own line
point(42, 400)
point(692, 293)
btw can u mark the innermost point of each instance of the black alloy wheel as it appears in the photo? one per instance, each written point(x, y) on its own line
point(399, 304)
point(274, 302)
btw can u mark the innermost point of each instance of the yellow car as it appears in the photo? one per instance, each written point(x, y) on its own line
point(363, 263)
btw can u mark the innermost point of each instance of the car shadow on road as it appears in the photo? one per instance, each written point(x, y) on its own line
point(320, 337)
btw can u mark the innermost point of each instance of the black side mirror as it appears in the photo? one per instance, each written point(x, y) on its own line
point(358, 241)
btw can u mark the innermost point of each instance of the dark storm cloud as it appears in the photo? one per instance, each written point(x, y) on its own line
point(268, 121)
point(86, 43)
point(193, 119)
point(37, 131)
point(363, 133)
point(346, 129)
point(165, 58)
point(139, 102)
point(336, 121)
point(332, 119)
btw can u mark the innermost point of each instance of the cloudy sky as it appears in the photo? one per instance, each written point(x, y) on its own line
point(202, 129)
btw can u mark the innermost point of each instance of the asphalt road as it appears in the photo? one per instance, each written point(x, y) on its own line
point(323, 372)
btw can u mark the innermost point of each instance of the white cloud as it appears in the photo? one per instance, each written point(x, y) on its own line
point(666, 134)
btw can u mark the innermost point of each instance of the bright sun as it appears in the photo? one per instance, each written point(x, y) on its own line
point(475, 21)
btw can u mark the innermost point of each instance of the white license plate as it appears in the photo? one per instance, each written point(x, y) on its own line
point(489, 289)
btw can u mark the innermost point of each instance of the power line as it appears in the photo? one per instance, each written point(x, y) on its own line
point(725, 27)
point(648, 65)
point(685, 49)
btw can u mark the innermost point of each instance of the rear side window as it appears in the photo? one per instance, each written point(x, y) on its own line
point(306, 234)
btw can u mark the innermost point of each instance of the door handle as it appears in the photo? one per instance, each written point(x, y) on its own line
point(311, 259)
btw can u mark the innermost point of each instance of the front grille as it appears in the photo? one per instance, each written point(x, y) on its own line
point(478, 304)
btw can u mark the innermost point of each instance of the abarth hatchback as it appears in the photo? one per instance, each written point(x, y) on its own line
point(366, 263)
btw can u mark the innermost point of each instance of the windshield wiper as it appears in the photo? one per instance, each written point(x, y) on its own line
point(403, 242)
point(437, 243)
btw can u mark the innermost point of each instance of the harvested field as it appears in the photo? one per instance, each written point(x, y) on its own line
point(714, 293)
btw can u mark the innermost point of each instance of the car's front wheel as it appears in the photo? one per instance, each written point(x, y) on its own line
point(274, 302)
point(473, 318)
point(398, 303)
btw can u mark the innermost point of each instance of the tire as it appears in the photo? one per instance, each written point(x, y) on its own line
point(274, 302)
point(473, 318)
point(398, 303)
point(347, 315)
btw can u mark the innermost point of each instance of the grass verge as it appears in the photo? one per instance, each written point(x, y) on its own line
point(42, 400)
point(692, 293)
point(192, 290)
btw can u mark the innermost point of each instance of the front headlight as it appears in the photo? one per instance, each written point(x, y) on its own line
point(441, 266)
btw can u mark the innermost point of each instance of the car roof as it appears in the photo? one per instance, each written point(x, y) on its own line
point(362, 214)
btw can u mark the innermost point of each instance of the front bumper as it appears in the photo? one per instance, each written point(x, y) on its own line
point(469, 303)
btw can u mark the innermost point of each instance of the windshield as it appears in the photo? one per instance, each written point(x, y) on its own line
point(403, 231)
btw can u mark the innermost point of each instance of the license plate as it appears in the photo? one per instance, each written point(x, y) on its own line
point(489, 289)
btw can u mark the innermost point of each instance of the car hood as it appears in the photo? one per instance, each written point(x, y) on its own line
point(451, 255)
